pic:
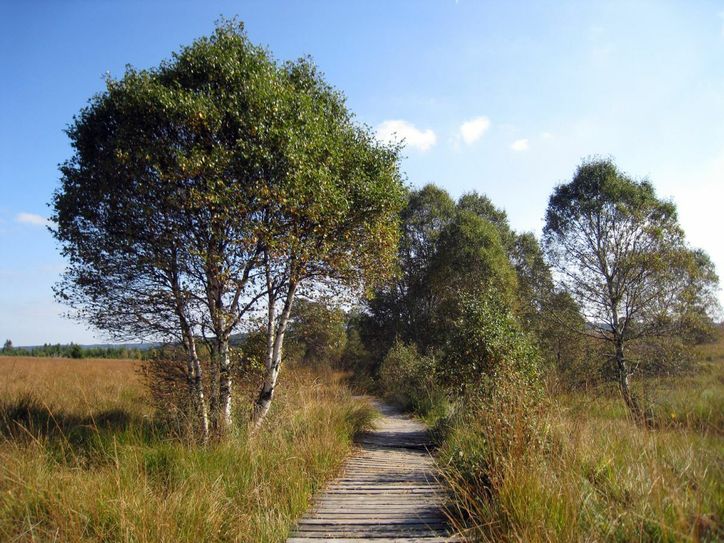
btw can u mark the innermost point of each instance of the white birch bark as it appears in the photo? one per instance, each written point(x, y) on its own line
point(225, 383)
point(193, 364)
point(197, 387)
point(275, 341)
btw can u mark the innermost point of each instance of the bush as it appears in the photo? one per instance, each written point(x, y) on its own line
point(316, 334)
point(166, 377)
point(484, 345)
point(485, 436)
point(410, 379)
point(492, 367)
point(169, 392)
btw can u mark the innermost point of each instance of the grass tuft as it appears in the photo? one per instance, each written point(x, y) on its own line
point(592, 474)
point(104, 470)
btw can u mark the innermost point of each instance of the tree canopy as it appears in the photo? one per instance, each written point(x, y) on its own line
point(218, 182)
point(620, 252)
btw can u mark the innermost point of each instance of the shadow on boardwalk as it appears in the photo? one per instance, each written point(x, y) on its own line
point(386, 492)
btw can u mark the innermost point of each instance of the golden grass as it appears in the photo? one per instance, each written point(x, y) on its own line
point(82, 460)
point(77, 386)
point(593, 474)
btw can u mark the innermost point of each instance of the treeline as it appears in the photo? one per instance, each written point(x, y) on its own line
point(73, 350)
point(487, 333)
point(483, 326)
point(471, 292)
point(612, 292)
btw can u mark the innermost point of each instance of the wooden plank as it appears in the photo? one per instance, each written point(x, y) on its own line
point(400, 535)
point(434, 539)
point(357, 530)
point(404, 509)
point(382, 500)
point(436, 523)
point(377, 518)
point(371, 509)
point(384, 485)
point(387, 492)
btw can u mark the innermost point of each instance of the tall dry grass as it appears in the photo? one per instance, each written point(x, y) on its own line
point(591, 473)
point(82, 458)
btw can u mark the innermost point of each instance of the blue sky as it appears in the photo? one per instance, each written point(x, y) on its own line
point(504, 98)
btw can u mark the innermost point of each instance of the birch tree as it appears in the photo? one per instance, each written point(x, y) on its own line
point(333, 218)
point(216, 182)
point(620, 252)
point(160, 208)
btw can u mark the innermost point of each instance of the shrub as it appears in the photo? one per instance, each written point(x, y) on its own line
point(410, 379)
point(491, 365)
point(316, 334)
point(488, 434)
point(484, 346)
point(166, 377)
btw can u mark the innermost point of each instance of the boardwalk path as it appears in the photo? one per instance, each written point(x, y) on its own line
point(387, 491)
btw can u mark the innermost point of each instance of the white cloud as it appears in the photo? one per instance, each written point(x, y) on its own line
point(32, 218)
point(395, 131)
point(546, 135)
point(472, 130)
point(519, 145)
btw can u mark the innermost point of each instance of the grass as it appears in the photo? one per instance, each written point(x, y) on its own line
point(581, 470)
point(83, 459)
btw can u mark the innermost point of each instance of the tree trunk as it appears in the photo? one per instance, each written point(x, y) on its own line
point(225, 384)
point(274, 359)
point(193, 364)
point(624, 381)
point(197, 388)
point(214, 389)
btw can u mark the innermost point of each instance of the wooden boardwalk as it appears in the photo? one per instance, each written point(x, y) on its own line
point(387, 491)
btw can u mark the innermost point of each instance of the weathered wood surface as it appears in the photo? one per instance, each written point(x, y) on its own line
point(387, 491)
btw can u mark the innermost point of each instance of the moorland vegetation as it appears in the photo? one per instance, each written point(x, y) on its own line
point(229, 206)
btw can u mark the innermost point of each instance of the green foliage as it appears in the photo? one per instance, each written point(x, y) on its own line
point(254, 348)
point(428, 211)
point(404, 307)
point(410, 379)
point(446, 249)
point(493, 364)
point(317, 333)
point(220, 147)
point(485, 346)
point(470, 258)
point(598, 186)
point(166, 164)
point(483, 207)
point(452, 249)
point(561, 334)
point(622, 253)
point(73, 350)
point(213, 181)
point(622, 256)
